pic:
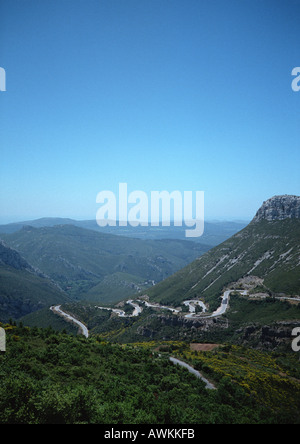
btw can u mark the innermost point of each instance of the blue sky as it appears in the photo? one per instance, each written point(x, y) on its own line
point(160, 94)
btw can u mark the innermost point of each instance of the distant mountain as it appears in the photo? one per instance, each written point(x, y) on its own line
point(36, 223)
point(268, 248)
point(215, 232)
point(22, 288)
point(99, 266)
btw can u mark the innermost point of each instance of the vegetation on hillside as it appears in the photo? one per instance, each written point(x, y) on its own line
point(23, 292)
point(269, 250)
point(51, 377)
point(158, 324)
point(98, 266)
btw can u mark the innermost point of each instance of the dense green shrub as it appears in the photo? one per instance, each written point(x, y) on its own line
point(49, 377)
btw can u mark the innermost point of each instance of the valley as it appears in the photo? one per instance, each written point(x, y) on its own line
point(212, 324)
point(151, 288)
point(90, 265)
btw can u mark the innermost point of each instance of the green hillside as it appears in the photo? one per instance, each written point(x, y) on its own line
point(22, 289)
point(55, 378)
point(267, 249)
point(79, 259)
point(119, 284)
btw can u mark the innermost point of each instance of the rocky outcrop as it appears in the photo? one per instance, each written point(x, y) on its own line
point(279, 208)
point(168, 327)
point(268, 337)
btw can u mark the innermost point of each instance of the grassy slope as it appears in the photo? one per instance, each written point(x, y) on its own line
point(22, 292)
point(79, 259)
point(234, 258)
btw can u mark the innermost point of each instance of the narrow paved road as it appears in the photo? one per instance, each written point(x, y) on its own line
point(138, 310)
point(176, 361)
point(57, 309)
point(225, 302)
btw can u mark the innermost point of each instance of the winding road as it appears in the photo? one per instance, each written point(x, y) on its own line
point(208, 384)
point(192, 315)
point(56, 309)
point(190, 303)
point(138, 310)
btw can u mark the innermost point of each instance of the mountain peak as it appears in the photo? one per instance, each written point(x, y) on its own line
point(279, 208)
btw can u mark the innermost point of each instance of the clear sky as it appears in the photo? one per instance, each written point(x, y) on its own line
point(160, 94)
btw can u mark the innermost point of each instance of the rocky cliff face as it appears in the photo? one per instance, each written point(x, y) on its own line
point(279, 208)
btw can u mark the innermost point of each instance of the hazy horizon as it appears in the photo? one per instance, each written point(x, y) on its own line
point(79, 218)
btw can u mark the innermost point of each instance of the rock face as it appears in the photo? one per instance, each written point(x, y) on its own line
point(279, 208)
point(268, 337)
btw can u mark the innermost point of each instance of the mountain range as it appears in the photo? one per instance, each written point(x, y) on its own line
point(84, 264)
point(263, 259)
point(215, 232)
point(244, 352)
point(268, 248)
